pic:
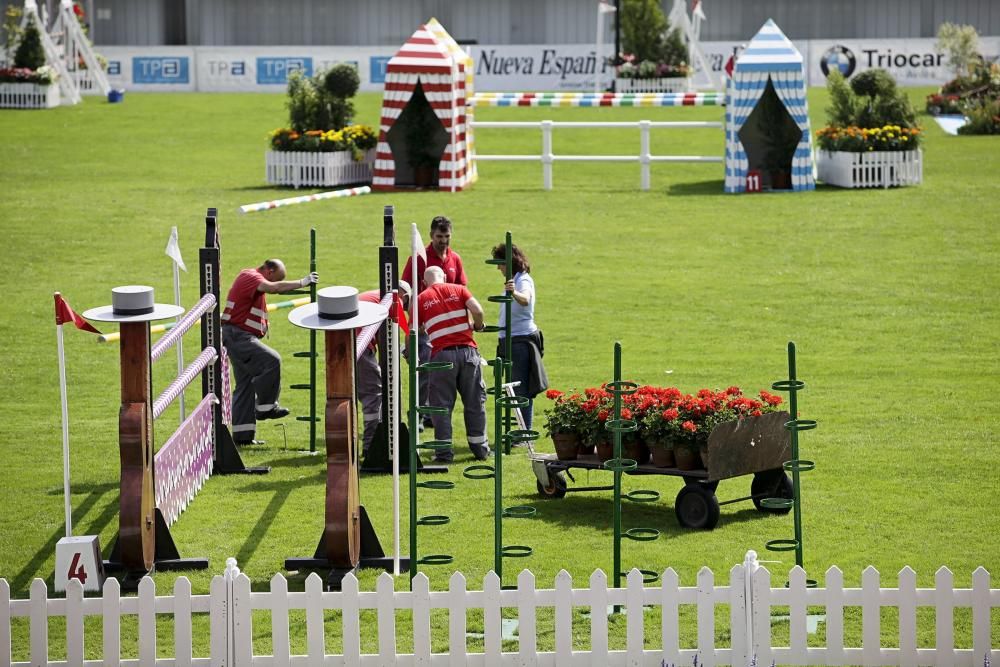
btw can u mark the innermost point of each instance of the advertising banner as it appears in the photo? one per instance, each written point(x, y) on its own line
point(500, 68)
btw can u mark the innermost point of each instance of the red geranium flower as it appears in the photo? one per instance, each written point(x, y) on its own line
point(553, 394)
point(689, 426)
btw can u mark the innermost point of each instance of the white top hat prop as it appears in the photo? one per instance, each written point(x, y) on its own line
point(337, 308)
point(133, 303)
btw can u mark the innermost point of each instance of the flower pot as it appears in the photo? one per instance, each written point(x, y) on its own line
point(663, 455)
point(585, 449)
point(875, 169)
point(297, 168)
point(605, 451)
point(28, 96)
point(636, 450)
point(567, 445)
point(687, 458)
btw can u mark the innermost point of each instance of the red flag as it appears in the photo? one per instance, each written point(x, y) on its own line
point(398, 312)
point(65, 314)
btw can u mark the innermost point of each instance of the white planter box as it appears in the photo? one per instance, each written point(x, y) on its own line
point(676, 84)
point(874, 169)
point(28, 96)
point(327, 169)
point(85, 82)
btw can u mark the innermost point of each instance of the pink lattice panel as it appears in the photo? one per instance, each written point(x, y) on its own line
point(184, 463)
point(227, 390)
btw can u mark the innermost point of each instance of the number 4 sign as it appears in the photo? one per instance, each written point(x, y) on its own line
point(79, 558)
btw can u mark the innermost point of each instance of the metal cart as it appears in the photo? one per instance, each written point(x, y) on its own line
point(757, 446)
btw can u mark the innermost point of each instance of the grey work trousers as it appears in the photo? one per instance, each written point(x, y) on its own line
point(257, 369)
point(368, 381)
point(465, 379)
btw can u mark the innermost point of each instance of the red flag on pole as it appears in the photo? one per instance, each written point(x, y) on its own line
point(65, 315)
point(398, 312)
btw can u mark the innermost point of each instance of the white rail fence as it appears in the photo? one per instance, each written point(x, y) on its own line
point(644, 158)
point(749, 599)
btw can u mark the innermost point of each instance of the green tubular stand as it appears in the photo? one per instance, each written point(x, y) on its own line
point(795, 465)
point(414, 413)
point(619, 465)
point(310, 354)
point(501, 403)
point(507, 299)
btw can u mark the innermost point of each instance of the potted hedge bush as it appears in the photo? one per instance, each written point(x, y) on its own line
point(655, 57)
point(872, 138)
point(321, 146)
point(30, 83)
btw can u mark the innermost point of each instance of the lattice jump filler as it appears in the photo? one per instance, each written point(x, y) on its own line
point(795, 465)
point(309, 354)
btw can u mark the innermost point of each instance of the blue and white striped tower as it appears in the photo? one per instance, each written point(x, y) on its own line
point(769, 56)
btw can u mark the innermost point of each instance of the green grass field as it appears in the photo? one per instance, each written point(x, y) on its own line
point(890, 296)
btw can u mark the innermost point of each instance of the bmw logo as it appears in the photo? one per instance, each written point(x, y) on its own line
point(838, 58)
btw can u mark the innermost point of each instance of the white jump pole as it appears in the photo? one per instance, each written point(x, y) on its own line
point(393, 421)
point(65, 430)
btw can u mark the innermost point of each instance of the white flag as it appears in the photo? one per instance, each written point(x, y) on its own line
point(417, 248)
point(174, 249)
point(605, 7)
point(697, 10)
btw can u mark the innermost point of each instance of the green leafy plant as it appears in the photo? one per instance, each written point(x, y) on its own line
point(869, 113)
point(29, 53)
point(961, 44)
point(651, 48)
point(322, 101)
point(11, 31)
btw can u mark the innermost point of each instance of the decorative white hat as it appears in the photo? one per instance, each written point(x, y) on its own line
point(133, 303)
point(337, 308)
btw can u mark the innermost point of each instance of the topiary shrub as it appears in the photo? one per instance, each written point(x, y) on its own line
point(341, 81)
point(30, 54)
point(322, 102)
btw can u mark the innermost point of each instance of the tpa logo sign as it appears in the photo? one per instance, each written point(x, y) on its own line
point(160, 70)
point(838, 58)
point(276, 70)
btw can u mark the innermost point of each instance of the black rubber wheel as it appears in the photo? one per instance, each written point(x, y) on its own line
point(556, 487)
point(697, 507)
point(771, 484)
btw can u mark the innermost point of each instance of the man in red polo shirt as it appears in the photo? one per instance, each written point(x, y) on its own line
point(440, 254)
point(444, 310)
point(256, 366)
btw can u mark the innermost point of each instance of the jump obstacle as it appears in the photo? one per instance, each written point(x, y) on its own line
point(597, 99)
point(332, 194)
point(151, 500)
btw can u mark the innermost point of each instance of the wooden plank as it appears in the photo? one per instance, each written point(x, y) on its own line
point(218, 621)
point(111, 622)
point(147, 621)
point(526, 628)
point(944, 640)
point(871, 621)
point(421, 587)
point(74, 623)
point(634, 618)
point(980, 616)
point(5, 638)
point(315, 646)
point(797, 613)
point(835, 616)
point(706, 617)
point(457, 648)
point(350, 604)
point(386, 619)
point(492, 645)
point(564, 618)
point(761, 605)
point(598, 618)
point(907, 617)
point(183, 648)
point(669, 630)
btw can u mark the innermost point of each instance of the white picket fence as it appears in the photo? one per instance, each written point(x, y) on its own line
point(644, 158)
point(314, 168)
point(749, 599)
point(876, 169)
point(676, 84)
point(28, 96)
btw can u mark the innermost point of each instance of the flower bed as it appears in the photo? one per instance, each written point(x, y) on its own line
point(317, 168)
point(675, 84)
point(876, 169)
point(28, 96)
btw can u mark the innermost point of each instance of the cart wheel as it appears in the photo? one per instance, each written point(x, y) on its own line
point(771, 484)
point(556, 487)
point(697, 507)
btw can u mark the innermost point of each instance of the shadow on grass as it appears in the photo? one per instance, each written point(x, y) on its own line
point(713, 187)
point(580, 510)
point(94, 526)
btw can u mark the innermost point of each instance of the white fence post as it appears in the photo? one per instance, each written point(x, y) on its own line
point(547, 157)
point(74, 623)
point(644, 155)
point(944, 640)
point(634, 618)
point(669, 598)
point(111, 622)
point(871, 620)
point(147, 621)
point(5, 643)
point(183, 633)
point(598, 618)
point(907, 617)
point(457, 601)
point(315, 644)
point(564, 618)
point(526, 627)
point(797, 617)
point(706, 617)
point(39, 623)
point(386, 619)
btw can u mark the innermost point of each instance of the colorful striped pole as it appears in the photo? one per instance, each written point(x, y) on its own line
point(114, 336)
point(597, 99)
point(333, 194)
